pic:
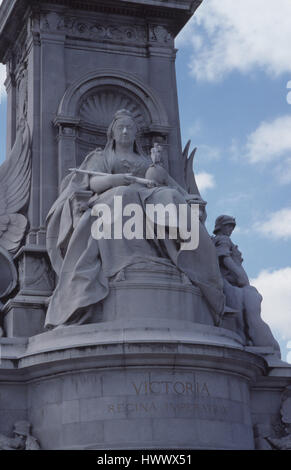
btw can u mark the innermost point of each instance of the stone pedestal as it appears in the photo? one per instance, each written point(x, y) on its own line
point(157, 291)
point(140, 384)
point(24, 316)
point(36, 277)
point(106, 386)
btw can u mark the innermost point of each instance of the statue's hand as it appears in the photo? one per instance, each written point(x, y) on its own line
point(122, 179)
point(152, 184)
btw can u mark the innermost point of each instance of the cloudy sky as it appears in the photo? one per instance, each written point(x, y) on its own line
point(234, 76)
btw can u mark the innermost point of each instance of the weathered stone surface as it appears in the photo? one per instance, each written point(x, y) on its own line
point(145, 405)
point(215, 389)
point(153, 372)
point(24, 316)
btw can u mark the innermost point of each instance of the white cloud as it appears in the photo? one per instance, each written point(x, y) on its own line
point(270, 141)
point(289, 93)
point(283, 171)
point(228, 35)
point(233, 199)
point(195, 129)
point(2, 80)
point(204, 152)
point(277, 225)
point(276, 306)
point(204, 181)
point(208, 152)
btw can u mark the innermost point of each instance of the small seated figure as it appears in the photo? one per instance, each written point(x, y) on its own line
point(284, 442)
point(156, 172)
point(277, 437)
point(21, 440)
point(159, 175)
point(240, 295)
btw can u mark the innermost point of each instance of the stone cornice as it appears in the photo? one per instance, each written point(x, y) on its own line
point(112, 344)
point(174, 12)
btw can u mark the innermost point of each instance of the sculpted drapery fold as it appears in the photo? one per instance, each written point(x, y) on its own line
point(84, 265)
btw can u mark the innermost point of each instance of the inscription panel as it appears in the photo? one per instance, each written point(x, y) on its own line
point(137, 394)
point(200, 406)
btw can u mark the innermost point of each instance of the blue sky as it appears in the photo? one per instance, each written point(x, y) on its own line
point(233, 66)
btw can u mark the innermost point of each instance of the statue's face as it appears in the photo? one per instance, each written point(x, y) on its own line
point(124, 131)
point(227, 229)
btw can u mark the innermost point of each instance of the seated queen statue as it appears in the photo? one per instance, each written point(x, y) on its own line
point(84, 264)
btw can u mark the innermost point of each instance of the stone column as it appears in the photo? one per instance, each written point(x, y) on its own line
point(67, 134)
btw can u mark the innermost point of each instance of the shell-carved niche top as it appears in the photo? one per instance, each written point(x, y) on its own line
point(100, 107)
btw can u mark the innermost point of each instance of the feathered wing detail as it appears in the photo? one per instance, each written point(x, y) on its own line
point(12, 229)
point(15, 181)
point(191, 185)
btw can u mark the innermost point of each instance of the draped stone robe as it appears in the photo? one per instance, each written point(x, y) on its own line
point(84, 265)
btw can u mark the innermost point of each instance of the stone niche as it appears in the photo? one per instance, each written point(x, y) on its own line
point(88, 107)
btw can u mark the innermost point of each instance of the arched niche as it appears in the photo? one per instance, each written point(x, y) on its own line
point(88, 106)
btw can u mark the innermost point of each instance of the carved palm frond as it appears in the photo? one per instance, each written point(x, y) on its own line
point(189, 175)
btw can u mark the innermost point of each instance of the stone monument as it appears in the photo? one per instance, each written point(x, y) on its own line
point(118, 341)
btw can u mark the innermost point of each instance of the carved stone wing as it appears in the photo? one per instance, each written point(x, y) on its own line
point(15, 181)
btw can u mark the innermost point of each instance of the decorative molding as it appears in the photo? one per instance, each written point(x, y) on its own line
point(99, 30)
point(160, 34)
point(166, 13)
point(89, 29)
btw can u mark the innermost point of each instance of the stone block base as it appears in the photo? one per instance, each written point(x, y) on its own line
point(134, 387)
point(157, 291)
point(24, 316)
